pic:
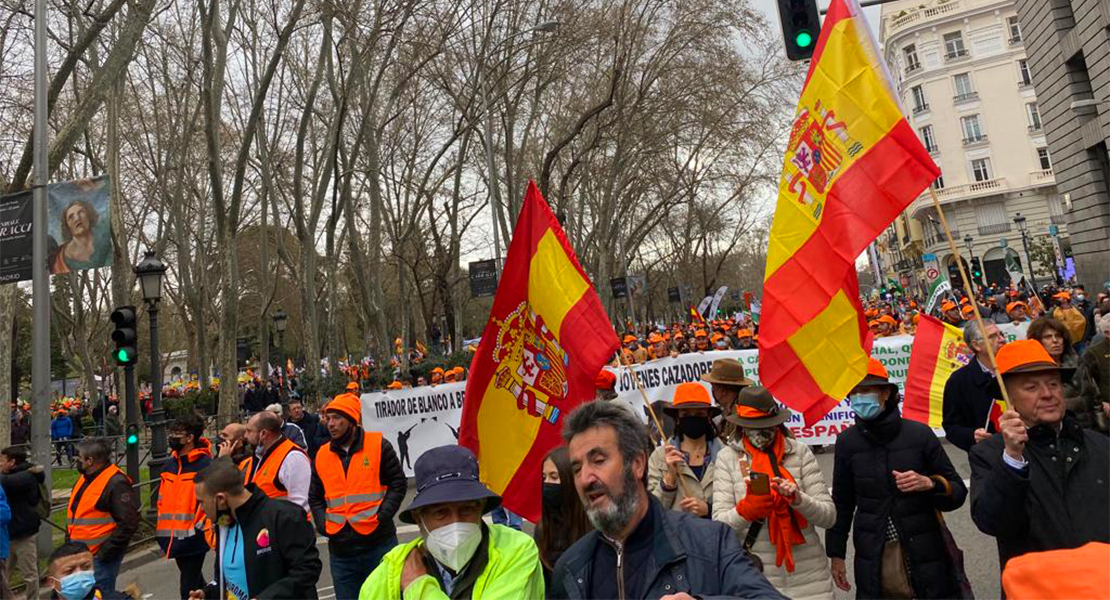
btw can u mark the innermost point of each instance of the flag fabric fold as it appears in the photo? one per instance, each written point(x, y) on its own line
point(546, 339)
point(852, 164)
point(938, 350)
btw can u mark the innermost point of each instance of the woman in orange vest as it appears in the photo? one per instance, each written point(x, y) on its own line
point(103, 511)
point(182, 525)
point(357, 487)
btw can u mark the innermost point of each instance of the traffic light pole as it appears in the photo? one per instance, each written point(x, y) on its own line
point(132, 419)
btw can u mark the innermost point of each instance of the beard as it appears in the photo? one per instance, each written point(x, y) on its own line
point(612, 519)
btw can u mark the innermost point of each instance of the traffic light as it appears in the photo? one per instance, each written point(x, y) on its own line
point(976, 269)
point(132, 435)
point(124, 336)
point(800, 27)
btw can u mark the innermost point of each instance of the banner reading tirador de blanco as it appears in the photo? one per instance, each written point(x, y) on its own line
point(418, 419)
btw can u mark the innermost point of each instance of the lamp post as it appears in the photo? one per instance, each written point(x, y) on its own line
point(971, 256)
point(149, 272)
point(280, 321)
point(1020, 220)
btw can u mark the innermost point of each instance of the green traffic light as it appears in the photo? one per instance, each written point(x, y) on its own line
point(803, 39)
point(132, 439)
point(123, 355)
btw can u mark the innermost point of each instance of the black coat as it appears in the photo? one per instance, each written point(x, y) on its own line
point(22, 488)
point(310, 425)
point(966, 404)
point(700, 557)
point(1058, 501)
point(289, 566)
point(866, 497)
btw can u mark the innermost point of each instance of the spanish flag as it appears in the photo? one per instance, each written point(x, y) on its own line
point(695, 316)
point(938, 350)
point(546, 339)
point(852, 164)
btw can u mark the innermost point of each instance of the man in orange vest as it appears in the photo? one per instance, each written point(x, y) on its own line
point(182, 523)
point(357, 487)
point(281, 469)
point(103, 511)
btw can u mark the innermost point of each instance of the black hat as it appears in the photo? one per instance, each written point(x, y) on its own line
point(448, 474)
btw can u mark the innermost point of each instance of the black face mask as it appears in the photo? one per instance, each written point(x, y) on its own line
point(552, 498)
point(80, 466)
point(694, 427)
point(175, 444)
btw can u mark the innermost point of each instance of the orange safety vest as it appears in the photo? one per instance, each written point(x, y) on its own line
point(180, 514)
point(352, 497)
point(246, 466)
point(84, 522)
point(265, 475)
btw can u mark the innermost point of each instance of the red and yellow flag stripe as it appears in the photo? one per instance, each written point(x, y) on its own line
point(938, 350)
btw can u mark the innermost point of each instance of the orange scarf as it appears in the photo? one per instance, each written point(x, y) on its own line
point(784, 525)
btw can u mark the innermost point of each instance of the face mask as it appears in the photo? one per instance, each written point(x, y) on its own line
point(694, 427)
point(760, 438)
point(453, 545)
point(552, 498)
point(76, 586)
point(80, 466)
point(175, 444)
point(866, 406)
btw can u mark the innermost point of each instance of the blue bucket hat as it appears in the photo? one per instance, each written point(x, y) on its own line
point(448, 474)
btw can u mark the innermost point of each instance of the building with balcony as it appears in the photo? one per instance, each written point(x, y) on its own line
point(964, 80)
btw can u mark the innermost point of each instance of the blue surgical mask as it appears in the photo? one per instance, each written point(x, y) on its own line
point(866, 406)
point(77, 586)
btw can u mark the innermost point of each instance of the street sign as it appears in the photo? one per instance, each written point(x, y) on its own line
point(1053, 230)
point(483, 278)
point(619, 286)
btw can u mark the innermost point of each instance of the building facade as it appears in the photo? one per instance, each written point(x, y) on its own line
point(1068, 44)
point(961, 69)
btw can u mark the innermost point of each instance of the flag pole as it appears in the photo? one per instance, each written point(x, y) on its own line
point(971, 297)
point(651, 411)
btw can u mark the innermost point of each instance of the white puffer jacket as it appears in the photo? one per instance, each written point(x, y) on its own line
point(811, 577)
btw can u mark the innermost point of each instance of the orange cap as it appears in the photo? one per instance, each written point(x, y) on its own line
point(629, 339)
point(716, 336)
point(605, 380)
point(347, 405)
point(1023, 356)
point(437, 370)
point(743, 333)
point(1011, 307)
point(876, 368)
point(654, 338)
point(352, 386)
point(889, 320)
point(394, 385)
point(699, 333)
point(967, 309)
point(691, 395)
point(947, 305)
point(872, 323)
point(1062, 296)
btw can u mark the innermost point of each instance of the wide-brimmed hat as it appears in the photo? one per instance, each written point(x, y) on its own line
point(756, 409)
point(727, 371)
point(691, 395)
point(1024, 356)
point(877, 375)
point(448, 474)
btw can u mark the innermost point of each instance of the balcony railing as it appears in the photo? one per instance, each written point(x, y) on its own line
point(1042, 176)
point(913, 68)
point(971, 141)
point(918, 15)
point(1016, 40)
point(1058, 219)
point(969, 96)
point(932, 148)
point(921, 108)
point(1035, 127)
point(994, 228)
point(956, 54)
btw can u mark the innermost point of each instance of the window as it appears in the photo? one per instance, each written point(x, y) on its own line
point(972, 128)
point(1023, 70)
point(1015, 29)
point(962, 83)
point(1056, 213)
point(927, 138)
point(1034, 115)
point(912, 62)
point(954, 45)
point(1044, 158)
point(991, 217)
point(981, 169)
point(919, 103)
point(938, 183)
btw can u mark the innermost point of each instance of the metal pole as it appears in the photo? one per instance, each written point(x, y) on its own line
point(40, 354)
point(1029, 260)
point(495, 190)
point(971, 256)
point(132, 419)
point(158, 448)
point(281, 365)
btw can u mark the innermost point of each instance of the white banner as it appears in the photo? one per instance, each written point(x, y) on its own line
point(417, 419)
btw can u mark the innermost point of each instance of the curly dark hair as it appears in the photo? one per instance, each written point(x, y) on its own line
point(94, 217)
point(1038, 328)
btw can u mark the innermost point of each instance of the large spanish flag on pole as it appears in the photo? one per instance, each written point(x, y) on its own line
point(546, 339)
point(851, 165)
point(938, 350)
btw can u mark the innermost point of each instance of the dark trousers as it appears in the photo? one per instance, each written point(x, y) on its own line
point(349, 572)
point(191, 576)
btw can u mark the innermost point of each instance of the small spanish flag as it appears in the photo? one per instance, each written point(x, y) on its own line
point(997, 409)
point(938, 350)
point(695, 316)
point(546, 339)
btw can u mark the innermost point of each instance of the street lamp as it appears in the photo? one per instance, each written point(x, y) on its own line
point(280, 321)
point(150, 272)
point(1020, 220)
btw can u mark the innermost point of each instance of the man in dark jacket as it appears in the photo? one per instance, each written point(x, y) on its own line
point(966, 402)
point(21, 481)
point(639, 549)
point(308, 422)
point(890, 477)
point(117, 499)
point(1042, 483)
point(354, 555)
point(265, 547)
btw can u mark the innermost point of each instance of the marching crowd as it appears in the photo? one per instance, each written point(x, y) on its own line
point(721, 502)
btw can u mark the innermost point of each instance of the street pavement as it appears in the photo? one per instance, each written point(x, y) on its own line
point(157, 578)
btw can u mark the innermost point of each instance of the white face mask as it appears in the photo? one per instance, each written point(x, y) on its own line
point(453, 545)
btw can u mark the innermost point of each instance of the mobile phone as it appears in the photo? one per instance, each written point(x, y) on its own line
point(759, 484)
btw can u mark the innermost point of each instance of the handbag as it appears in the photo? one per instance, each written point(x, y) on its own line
point(956, 558)
point(894, 578)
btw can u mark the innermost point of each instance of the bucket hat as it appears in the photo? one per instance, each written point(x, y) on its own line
point(726, 371)
point(1024, 356)
point(691, 395)
point(448, 474)
point(756, 409)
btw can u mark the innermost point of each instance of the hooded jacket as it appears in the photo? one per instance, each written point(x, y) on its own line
point(178, 493)
point(512, 570)
point(22, 489)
